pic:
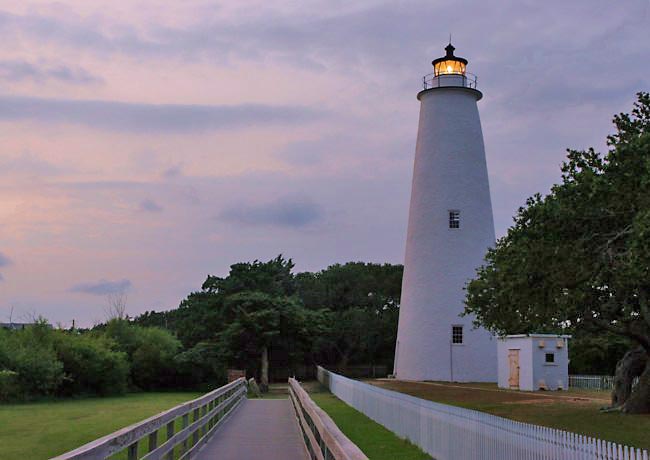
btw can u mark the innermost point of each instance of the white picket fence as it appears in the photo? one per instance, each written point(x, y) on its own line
point(591, 382)
point(453, 433)
point(595, 382)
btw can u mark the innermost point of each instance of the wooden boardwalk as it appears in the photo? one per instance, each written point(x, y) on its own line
point(259, 428)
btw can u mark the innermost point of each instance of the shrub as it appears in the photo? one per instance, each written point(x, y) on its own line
point(153, 359)
point(39, 361)
point(124, 334)
point(200, 367)
point(39, 371)
point(9, 388)
point(91, 366)
point(30, 356)
point(5, 345)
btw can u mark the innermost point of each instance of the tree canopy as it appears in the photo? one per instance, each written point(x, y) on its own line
point(579, 258)
point(262, 313)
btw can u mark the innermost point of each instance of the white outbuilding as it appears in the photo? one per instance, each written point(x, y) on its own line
point(532, 362)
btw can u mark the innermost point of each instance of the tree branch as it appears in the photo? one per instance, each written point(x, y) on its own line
point(643, 305)
point(625, 331)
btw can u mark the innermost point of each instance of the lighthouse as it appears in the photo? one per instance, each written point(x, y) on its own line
point(450, 228)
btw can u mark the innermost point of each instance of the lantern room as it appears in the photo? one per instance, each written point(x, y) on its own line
point(449, 64)
point(450, 71)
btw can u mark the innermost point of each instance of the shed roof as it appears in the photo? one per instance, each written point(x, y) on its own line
point(535, 336)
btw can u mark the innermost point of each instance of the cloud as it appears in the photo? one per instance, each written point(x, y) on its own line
point(149, 205)
point(19, 70)
point(365, 36)
point(102, 287)
point(287, 212)
point(159, 118)
point(29, 164)
point(173, 172)
point(301, 38)
point(4, 260)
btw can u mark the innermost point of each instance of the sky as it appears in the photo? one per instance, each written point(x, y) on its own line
point(146, 144)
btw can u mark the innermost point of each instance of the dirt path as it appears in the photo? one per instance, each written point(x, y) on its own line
point(505, 396)
point(554, 395)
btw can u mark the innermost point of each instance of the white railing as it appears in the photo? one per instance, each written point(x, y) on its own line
point(591, 382)
point(454, 433)
point(322, 437)
point(207, 413)
point(595, 382)
point(467, 80)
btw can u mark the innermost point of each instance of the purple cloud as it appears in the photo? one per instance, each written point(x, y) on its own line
point(150, 206)
point(18, 70)
point(151, 118)
point(4, 260)
point(287, 212)
point(103, 287)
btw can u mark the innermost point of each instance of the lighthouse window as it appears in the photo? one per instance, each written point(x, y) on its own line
point(457, 335)
point(454, 219)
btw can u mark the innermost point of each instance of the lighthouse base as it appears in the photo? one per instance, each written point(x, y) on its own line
point(454, 363)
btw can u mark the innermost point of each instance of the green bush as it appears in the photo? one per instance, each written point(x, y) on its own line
point(4, 348)
point(150, 350)
point(30, 355)
point(9, 389)
point(200, 367)
point(39, 361)
point(91, 366)
point(153, 359)
point(39, 371)
point(125, 335)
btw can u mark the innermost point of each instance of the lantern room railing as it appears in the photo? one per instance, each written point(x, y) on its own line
point(467, 80)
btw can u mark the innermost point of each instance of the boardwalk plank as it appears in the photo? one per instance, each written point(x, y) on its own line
point(259, 428)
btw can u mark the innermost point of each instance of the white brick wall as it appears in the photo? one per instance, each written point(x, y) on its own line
point(450, 173)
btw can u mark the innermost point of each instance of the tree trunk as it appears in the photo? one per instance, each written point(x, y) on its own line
point(343, 363)
point(639, 400)
point(632, 365)
point(264, 379)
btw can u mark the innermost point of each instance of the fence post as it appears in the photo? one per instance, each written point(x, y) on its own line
point(153, 441)
point(195, 434)
point(133, 451)
point(186, 423)
point(170, 433)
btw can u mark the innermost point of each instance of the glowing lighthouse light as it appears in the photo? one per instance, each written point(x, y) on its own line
point(449, 70)
point(449, 64)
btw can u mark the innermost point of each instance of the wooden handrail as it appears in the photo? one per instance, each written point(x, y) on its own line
point(323, 438)
point(207, 413)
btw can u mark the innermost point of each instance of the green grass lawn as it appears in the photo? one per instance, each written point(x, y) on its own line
point(38, 431)
point(577, 411)
point(374, 440)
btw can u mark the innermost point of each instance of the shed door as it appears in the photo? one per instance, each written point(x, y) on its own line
point(513, 360)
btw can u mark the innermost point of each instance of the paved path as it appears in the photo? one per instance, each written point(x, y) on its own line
point(258, 429)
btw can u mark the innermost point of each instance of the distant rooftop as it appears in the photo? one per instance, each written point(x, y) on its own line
point(18, 326)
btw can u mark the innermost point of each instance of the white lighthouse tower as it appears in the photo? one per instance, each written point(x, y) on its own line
point(449, 230)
